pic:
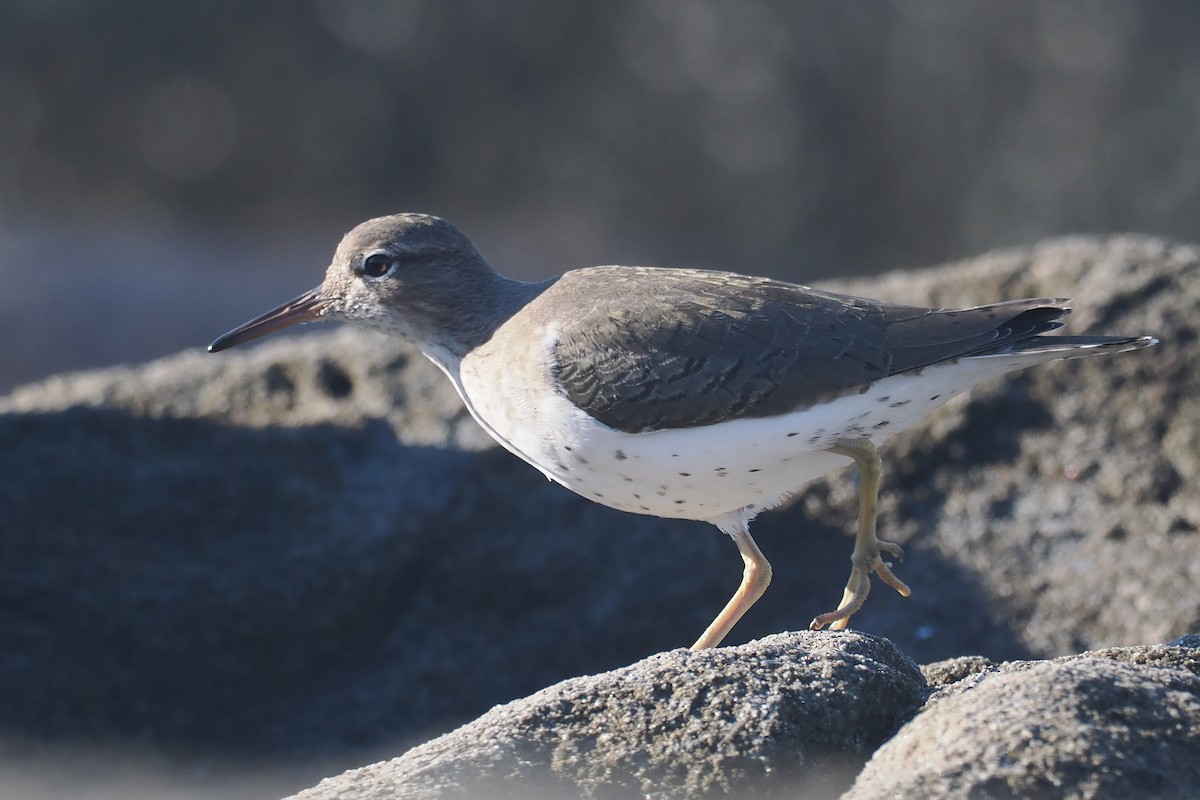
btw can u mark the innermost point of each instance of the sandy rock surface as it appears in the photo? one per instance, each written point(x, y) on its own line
point(796, 715)
point(791, 712)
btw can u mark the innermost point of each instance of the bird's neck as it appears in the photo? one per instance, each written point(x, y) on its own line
point(474, 314)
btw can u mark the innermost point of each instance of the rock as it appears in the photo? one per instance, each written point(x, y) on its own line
point(1114, 723)
point(792, 713)
point(308, 551)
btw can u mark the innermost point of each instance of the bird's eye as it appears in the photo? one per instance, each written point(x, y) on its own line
point(376, 265)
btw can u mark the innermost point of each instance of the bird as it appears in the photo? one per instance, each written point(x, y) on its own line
point(680, 393)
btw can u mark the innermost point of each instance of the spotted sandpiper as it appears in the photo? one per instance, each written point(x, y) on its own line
point(679, 393)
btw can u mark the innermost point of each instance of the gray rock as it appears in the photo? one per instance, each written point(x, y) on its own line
point(1116, 723)
point(308, 551)
point(793, 713)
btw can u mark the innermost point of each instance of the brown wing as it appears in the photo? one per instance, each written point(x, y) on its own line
point(662, 349)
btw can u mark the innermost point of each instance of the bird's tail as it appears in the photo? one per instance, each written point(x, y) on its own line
point(1070, 346)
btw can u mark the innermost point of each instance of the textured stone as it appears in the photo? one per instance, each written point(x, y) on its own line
point(1107, 724)
point(309, 551)
point(793, 713)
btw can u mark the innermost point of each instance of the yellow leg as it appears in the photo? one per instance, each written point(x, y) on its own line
point(865, 558)
point(755, 578)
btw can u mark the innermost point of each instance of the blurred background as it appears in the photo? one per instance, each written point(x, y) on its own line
point(168, 169)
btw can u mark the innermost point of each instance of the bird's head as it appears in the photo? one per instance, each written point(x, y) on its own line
point(410, 275)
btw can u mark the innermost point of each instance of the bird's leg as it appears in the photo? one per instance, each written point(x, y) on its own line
point(755, 579)
point(865, 558)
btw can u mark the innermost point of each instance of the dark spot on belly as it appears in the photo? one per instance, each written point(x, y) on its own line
point(793, 433)
point(679, 502)
point(883, 424)
point(935, 397)
point(620, 454)
point(567, 447)
point(754, 470)
point(627, 479)
point(637, 497)
point(674, 455)
point(644, 508)
point(661, 493)
point(583, 460)
point(899, 403)
point(685, 474)
point(597, 494)
point(885, 398)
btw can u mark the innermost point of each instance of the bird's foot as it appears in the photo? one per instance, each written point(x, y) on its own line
point(864, 561)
